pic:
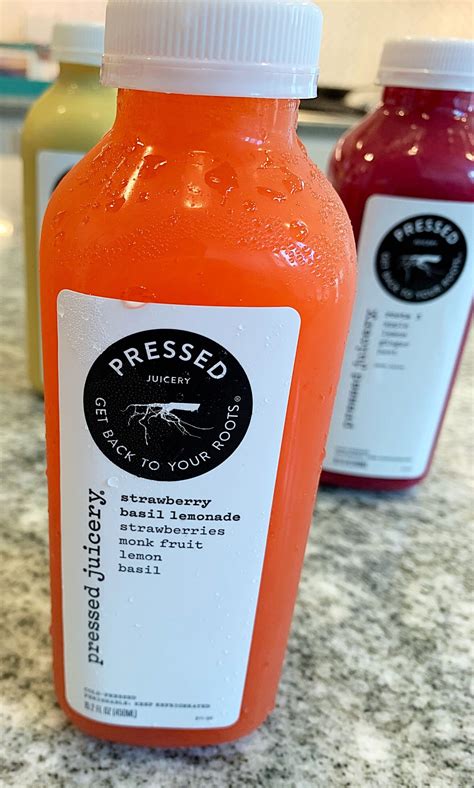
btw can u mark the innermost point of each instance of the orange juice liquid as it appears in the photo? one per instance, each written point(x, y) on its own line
point(211, 202)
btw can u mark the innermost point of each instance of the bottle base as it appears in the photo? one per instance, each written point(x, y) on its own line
point(368, 482)
point(35, 380)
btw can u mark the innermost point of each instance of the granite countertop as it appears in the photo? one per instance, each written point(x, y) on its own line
point(375, 685)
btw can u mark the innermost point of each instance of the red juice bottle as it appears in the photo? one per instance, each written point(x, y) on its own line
point(405, 175)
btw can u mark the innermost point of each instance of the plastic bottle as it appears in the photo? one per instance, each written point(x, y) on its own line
point(405, 176)
point(64, 123)
point(197, 283)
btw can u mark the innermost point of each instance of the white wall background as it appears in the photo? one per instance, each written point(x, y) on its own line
point(353, 35)
point(32, 20)
point(355, 30)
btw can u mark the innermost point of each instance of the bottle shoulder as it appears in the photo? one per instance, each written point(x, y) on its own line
point(159, 204)
point(140, 172)
point(404, 154)
point(68, 120)
point(399, 128)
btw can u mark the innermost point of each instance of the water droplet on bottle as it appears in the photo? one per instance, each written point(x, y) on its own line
point(222, 178)
point(137, 296)
point(115, 204)
point(144, 196)
point(292, 182)
point(133, 304)
point(113, 481)
point(58, 218)
point(152, 165)
point(250, 206)
point(271, 193)
point(268, 161)
point(298, 229)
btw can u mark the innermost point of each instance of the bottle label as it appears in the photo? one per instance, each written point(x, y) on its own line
point(171, 420)
point(51, 167)
point(414, 297)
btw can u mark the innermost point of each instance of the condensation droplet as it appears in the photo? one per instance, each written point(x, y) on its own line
point(298, 229)
point(58, 218)
point(292, 183)
point(133, 304)
point(271, 193)
point(115, 204)
point(113, 481)
point(137, 296)
point(152, 165)
point(222, 178)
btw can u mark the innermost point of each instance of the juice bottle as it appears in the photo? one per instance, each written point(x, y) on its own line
point(405, 176)
point(64, 123)
point(197, 281)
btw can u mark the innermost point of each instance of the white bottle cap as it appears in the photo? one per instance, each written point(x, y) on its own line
point(78, 42)
point(433, 63)
point(267, 48)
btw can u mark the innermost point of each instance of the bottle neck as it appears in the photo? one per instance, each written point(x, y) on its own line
point(181, 120)
point(428, 101)
point(78, 74)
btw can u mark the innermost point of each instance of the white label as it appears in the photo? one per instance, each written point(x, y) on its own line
point(414, 296)
point(51, 167)
point(171, 423)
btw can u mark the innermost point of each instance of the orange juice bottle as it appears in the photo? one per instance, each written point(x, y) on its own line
point(197, 281)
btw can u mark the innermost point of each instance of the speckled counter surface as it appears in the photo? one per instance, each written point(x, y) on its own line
point(375, 686)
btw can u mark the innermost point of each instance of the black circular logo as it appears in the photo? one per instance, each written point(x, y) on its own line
point(58, 180)
point(167, 404)
point(421, 258)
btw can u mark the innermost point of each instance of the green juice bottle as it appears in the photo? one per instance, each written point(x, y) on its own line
point(61, 126)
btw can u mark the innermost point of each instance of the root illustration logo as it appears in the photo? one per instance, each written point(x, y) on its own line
point(167, 404)
point(421, 258)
